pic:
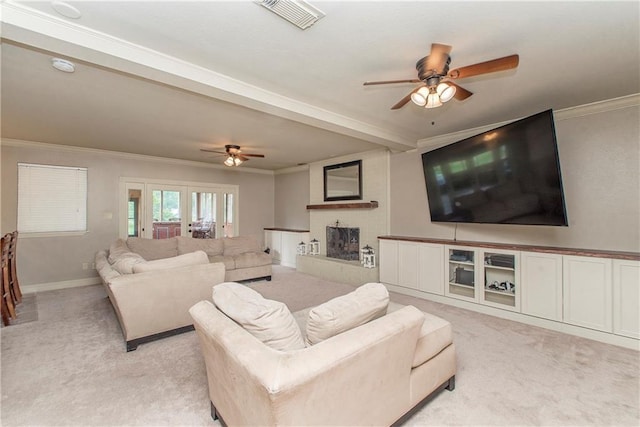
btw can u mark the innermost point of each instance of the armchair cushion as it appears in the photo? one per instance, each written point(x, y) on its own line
point(345, 312)
point(193, 258)
point(269, 321)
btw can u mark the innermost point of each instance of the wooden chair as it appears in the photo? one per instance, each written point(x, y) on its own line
point(8, 307)
point(14, 285)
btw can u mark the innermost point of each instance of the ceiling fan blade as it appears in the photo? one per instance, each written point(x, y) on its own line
point(461, 93)
point(438, 57)
point(500, 64)
point(386, 82)
point(212, 151)
point(252, 155)
point(242, 157)
point(404, 100)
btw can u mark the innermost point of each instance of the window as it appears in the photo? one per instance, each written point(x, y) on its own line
point(51, 199)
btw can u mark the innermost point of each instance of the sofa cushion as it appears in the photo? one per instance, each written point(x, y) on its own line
point(252, 259)
point(152, 249)
point(125, 262)
point(212, 247)
point(345, 312)
point(269, 321)
point(117, 249)
point(228, 261)
point(193, 258)
point(239, 245)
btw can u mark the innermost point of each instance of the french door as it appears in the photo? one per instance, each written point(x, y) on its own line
point(160, 210)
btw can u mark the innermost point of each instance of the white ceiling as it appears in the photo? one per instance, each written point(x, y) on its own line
point(169, 78)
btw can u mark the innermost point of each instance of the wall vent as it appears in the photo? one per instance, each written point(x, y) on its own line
point(298, 12)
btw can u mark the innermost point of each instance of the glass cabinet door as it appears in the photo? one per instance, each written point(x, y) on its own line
point(462, 273)
point(501, 287)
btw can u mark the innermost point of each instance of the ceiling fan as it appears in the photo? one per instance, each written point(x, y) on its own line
point(438, 87)
point(235, 156)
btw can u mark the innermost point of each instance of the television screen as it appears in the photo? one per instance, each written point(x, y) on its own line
point(509, 175)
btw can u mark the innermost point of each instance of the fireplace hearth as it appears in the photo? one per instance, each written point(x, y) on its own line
point(343, 243)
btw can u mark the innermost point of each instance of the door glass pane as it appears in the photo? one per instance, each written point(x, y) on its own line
point(166, 214)
point(133, 213)
point(203, 215)
point(228, 215)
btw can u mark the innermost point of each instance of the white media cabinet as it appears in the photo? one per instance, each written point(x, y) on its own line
point(588, 293)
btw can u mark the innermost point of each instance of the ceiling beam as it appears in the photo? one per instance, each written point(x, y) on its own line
point(24, 25)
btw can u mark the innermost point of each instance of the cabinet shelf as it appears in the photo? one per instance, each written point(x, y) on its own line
point(462, 285)
point(495, 291)
point(497, 267)
point(462, 262)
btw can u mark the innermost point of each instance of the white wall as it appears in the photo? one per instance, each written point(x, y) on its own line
point(59, 259)
point(599, 151)
point(372, 222)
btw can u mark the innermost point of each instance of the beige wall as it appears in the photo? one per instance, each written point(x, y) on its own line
point(59, 259)
point(599, 157)
point(291, 199)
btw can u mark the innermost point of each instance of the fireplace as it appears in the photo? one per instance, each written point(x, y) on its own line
point(343, 243)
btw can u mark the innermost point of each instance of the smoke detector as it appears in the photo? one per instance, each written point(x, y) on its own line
point(63, 65)
point(298, 12)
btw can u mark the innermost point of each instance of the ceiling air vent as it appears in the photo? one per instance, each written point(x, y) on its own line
point(298, 12)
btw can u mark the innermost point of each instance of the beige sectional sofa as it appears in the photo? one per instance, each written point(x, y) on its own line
point(152, 283)
point(352, 361)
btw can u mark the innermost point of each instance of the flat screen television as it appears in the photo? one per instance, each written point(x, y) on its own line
point(508, 175)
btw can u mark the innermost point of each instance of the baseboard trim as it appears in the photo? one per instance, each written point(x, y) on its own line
point(605, 337)
point(65, 284)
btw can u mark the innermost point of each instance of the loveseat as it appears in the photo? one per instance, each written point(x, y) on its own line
point(354, 360)
point(152, 283)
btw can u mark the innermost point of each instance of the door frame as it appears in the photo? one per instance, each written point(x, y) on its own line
point(146, 184)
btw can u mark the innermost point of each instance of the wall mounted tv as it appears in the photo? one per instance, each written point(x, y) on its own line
point(508, 175)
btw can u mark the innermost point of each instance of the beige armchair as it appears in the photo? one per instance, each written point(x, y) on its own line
point(364, 376)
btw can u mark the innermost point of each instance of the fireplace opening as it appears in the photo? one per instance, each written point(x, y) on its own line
point(343, 243)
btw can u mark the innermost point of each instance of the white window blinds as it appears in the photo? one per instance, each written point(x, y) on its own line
point(51, 198)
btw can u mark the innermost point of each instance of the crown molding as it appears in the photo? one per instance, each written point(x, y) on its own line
point(129, 156)
point(293, 169)
point(22, 24)
point(559, 115)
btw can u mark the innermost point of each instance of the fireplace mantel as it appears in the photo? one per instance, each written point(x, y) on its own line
point(358, 205)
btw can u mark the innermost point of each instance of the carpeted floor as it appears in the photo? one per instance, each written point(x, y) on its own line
point(69, 367)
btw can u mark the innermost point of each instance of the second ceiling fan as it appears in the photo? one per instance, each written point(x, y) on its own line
point(438, 87)
point(235, 156)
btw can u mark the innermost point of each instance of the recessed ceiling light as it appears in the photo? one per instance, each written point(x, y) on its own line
point(63, 65)
point(66, 10)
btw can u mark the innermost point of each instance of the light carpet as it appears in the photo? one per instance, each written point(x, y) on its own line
point(69, 367)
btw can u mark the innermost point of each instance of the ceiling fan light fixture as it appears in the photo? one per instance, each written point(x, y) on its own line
point(445, 91)
point(433, 100)
point(233, 160)
point(419, 97)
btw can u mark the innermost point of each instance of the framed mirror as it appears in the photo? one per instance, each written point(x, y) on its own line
point(343, 181)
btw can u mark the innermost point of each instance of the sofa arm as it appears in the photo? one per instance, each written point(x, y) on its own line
point(158, 301)
point(359, 377)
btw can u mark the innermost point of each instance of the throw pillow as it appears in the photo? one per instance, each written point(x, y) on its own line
point(117, 249)
point(348, 311)
point(125, 262)
point(269, 321)
point(193, 258)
